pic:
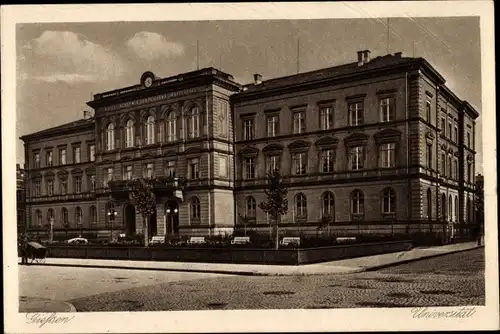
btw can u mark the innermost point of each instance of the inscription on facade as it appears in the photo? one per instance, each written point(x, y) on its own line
point(152, 99)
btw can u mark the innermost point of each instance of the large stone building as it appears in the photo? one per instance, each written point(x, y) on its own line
point(377, 142)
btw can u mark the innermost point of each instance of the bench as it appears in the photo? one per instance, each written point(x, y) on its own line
point(345, 239)
point(157, 240)
point(290, 241)
point(196, 240)
point(240, 240)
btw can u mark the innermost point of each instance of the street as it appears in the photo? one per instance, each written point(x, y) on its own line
point(449, 280)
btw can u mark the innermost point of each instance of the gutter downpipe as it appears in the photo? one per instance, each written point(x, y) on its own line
point(408, 151)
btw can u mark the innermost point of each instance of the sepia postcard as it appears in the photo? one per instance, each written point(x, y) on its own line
point(249, 167)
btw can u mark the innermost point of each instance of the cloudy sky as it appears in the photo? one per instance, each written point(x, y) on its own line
point(59, 66)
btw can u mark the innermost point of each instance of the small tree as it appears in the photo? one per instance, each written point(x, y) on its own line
point(276, 204)
point(145, 201)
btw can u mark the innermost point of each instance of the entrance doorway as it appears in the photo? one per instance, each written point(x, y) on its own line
point(129, 219)
point(172, 217)
point(153, 226)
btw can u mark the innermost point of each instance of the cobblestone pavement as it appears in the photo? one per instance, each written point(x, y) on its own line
point(450, 280)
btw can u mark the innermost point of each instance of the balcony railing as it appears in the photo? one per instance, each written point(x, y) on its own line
point(162, 186)
point(57, 198)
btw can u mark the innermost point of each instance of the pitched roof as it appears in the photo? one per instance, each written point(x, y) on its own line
point(71, 126)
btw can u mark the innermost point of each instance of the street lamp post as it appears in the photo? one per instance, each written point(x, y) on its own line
point(111, 215)
point(171, 218)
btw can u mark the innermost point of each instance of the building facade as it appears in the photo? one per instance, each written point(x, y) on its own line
point(378, 142)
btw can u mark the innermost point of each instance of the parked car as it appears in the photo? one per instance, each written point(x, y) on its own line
point(77, 241)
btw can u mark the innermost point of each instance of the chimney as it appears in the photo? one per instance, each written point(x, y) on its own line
point(398, 54)
point(360, 58)
point(86, 114)
point(366, 56)
point(257, 79)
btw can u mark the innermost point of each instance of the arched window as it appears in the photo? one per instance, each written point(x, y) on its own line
point(195, 208)
point(129, 133)
point(328, 205)
point(93, 215)
point(78, 215)
point(450, 208)
point(388, 201)
point(250, 207)
point(194, 122)
point(150, 130)
point(470, 211)
point(429, 204)
point(443, 206)
point(357, 203)
point(300, 206)
point(171, 130)
point(456, 208)
point(64, 216)
point(50, 215)
point(110, 137)
point(39, 218)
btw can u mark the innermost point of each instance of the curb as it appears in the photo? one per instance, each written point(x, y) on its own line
point(377, 267)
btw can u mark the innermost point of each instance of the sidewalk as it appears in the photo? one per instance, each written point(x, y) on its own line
point(32, 304)
point(346, 266)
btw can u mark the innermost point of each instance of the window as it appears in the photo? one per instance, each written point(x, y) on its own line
point(450, 167)
point(50, 215)
point(222, 107)
point(388, 201)
point(78, 216)
point(37, 188)
point(249, 168)
point(272, 125)
point(456, 134)
point(299, 163)
point(450, 208)
point(443, 122)
point(170, 168)
point(36, 160)
point(129, 134)
point(223, 166)
point(110, 137)
point(92, 183)
point(429, 204)
point(455, 169)
point(456, 208)
point(326, 161)
point(387, 109)
point(127, 173)
point(326, 118)
point(443, 206)
point(469, 172)
point(39, 218)
point(171, 129)
point(108, 177)
point(273, 163)
point(388, 155)
point(355, 113)
point(76, 155)
point(468, 140)
point(251, 207)
point(357, 203)
point(449, 131)
point(93, 215)
point(195, 208)
point(428, 110)
point(150, 130)
point(92, 152)
point(49, 158)
point(194, 171)
point(248, 129)
point(148, 170)
point(194, 123)
point(299, 123)
point(50, 187)
point(443, 163)
point(300, 206)
point(62, 156)
point(328, 208)
point(428, 155)
point(63, 187)
point(356, 157)
point(64, 216)
point(78, 184)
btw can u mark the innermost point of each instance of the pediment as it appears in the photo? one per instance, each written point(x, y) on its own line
point(249, 151)
point(299, 145)
point(193, 150)
point(273, 148)
point(106, 162)
point(147, 156)
point(62, 174)
point(36, 176)
point(76, 171)
point(327, 141)
point(357, 138)
point(126, 158)
point(170, 153)
point(387, 135)
point(49, 175)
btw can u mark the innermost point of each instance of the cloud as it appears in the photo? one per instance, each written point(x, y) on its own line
point(70, 57)
point(151, 46)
